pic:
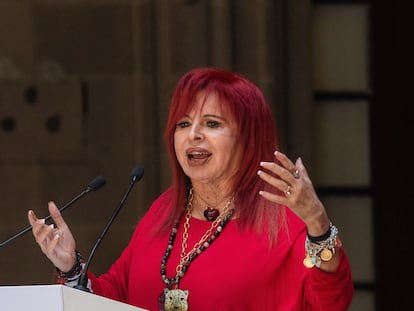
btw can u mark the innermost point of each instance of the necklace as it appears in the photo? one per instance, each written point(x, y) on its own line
point(210, 213)
point(174, 298)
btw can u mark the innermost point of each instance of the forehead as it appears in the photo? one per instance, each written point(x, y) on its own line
point(210, 103)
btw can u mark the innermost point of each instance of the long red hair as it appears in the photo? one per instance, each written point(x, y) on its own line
point(256, 134)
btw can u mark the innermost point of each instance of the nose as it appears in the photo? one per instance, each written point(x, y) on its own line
point(195, 132)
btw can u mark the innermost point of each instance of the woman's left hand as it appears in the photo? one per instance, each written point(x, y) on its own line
point(295, 191)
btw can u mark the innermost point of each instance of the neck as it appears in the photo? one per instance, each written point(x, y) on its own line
point(211, 195)
point(210, 207)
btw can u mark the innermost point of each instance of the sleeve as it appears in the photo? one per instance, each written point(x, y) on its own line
point(321, 291)
point(329, 291)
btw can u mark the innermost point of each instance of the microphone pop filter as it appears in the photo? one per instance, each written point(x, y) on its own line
point(137, 173)
point(96, 183)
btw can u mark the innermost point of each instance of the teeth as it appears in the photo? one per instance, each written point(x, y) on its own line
point(197, 154)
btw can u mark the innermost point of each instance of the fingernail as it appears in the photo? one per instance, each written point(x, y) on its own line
point(259, 172)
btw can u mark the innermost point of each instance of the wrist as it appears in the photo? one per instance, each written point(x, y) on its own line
point(73, 273)
point(320, 237)
point(318, 224)
point(321, 248)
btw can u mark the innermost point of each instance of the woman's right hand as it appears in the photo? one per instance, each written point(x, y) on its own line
point(56, 241)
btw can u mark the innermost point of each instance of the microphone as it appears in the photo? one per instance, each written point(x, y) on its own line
point(93, 185)
point(136, 175)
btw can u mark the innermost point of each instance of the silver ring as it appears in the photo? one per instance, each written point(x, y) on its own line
point(295, 173)
point(288, 191)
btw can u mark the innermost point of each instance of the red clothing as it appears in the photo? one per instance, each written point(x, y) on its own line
point(237, 272)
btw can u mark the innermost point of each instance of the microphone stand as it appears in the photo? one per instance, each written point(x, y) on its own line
point(137, 174)
point(95, 184)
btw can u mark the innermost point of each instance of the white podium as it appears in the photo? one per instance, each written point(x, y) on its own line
point(56, 298)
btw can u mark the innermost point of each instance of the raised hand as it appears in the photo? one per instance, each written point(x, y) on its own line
point(55, 240)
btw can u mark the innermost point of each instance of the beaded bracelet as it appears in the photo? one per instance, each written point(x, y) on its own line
point(320, 250)
point(72, 274)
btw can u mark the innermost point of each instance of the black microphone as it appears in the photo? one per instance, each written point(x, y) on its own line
point(136, 175)
point(94, 185)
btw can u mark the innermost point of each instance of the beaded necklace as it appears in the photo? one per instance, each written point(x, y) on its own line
point(175, 298)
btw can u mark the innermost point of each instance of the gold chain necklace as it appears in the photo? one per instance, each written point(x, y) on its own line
point(176, 299)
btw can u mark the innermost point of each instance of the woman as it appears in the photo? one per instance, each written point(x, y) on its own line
point(240, 228)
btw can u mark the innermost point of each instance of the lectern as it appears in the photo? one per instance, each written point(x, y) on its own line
point(56, 298)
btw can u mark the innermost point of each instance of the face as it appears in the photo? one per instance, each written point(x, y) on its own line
point(205, 143)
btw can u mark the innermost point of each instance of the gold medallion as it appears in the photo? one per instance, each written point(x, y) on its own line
point(326, 254)
point(307, 262)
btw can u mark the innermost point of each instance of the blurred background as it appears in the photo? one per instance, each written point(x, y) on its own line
point(84, 91)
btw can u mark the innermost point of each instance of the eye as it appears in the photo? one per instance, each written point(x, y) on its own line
point(183, 124)
point(213, 124)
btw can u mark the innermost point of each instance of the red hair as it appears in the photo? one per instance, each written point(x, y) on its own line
point(256, 135)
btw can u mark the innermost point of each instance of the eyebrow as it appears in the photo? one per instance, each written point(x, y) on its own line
point(208, 115)
point(214, 116)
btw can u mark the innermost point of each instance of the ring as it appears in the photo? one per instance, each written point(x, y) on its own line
point(287, 191)
point(295, 173)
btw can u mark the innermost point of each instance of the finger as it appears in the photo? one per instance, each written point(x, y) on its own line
point(44, 234)
point(35, 223)
point(279, 171)
point(302, 170)
point(53, 241)
point(288, 164)
point(37, 226)
point(275, 182)
point(31, 216)
point(56, 215)
point(284, 160)
point(273, 197)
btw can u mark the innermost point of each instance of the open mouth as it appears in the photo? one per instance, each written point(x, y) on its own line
point(198, 155)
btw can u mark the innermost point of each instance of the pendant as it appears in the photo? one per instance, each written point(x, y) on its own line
point(174, 300)
point(307, 262)
point(326, 254)
point(211, 214)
